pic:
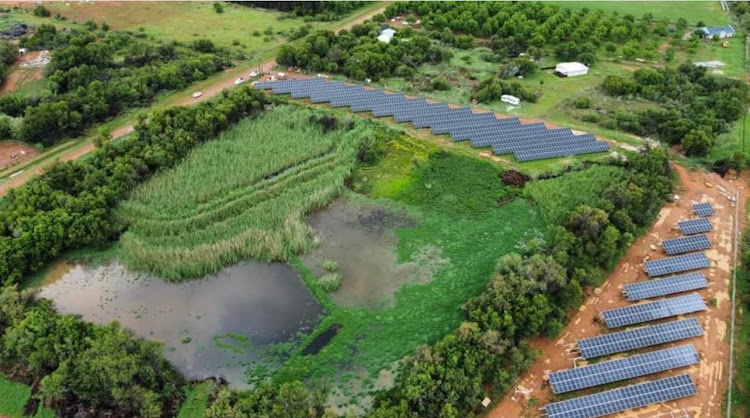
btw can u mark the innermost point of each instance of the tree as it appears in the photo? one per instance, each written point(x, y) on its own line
point(696, 142)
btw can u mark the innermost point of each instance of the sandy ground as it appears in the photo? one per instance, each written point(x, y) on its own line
point(23, 176)
point(19, 75)
point(21, 151)
point(711, 374)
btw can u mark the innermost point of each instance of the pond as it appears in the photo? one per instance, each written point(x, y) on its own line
point(246, 306)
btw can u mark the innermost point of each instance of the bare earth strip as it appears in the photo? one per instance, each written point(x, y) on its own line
point(712, 373)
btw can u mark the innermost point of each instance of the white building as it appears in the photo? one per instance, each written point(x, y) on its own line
point(571, 69)
point(386, 35)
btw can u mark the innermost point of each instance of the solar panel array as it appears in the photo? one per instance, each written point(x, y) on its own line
point(666, 286)
point(618, 342)
point(695, 226)
point(645, 312)
point(686, 244)
point(703, 209)
point(622, 399)
point(533, 141)
point(623, 368)
point(677, 264)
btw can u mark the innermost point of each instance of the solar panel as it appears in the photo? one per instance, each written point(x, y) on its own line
point(677, 264)
point(695, 226)
point(645, 312)
point(667, 286)
point(527, 141)
point(618, 342)
point(686, 244)
point(623, 368)
point(624, 398)
point(703, 209)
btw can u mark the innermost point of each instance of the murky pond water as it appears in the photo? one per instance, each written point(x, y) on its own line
point(361, 239)
point(196, 320)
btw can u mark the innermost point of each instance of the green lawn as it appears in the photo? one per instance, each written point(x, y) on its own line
point(693, 11)
point(13, 397)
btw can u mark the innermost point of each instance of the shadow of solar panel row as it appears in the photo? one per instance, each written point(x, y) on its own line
point(622, 399)
point(622, 369)
point(695, 226)
point(703, 209)
point(686, 244)
point(676, 264)
point(531, 141)
point(666, 286)
point(660, 309)
point(633, 339)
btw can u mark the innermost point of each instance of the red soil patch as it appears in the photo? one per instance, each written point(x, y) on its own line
point(13, 152)
point(711, 374)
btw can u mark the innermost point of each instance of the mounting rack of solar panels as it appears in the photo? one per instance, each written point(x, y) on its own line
point(527, 142)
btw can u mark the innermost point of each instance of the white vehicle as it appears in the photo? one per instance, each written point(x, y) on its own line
point(239, 81)
point(253, 73)
point(197, 94)
point(507, 98)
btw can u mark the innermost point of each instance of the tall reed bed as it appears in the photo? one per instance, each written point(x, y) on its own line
point(245, 195)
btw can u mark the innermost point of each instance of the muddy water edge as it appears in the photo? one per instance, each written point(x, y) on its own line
point(215, 326)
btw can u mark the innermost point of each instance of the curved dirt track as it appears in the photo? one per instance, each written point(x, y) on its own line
point(711, 374)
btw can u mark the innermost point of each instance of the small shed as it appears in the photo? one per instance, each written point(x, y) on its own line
point(720, 31)
point(386, 35)
point(22, 51)
point(571, 69)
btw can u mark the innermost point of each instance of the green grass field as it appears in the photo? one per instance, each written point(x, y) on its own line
point(693, 11)
point(559, 196)
point(222, 204)
point(13, 397)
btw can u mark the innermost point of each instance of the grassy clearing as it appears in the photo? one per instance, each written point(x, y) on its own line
point(13, 397)
point(693, 11)
point(244, 195)
point(196, 401)
point(559, 196)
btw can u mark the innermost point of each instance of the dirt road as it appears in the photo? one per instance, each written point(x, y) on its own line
point(712, 373)
point(21, 177)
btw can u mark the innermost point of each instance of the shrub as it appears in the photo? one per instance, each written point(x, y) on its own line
point(440, 84)
point(41, 11)
point(582, 102)
point(330, 282)
point(329, 265)
point(218, 8)
point(590, 117)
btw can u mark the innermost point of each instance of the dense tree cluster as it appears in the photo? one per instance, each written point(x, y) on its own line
point(292, 399)
point(530, 296)
point(694, 106)
point(516, 27)
point(71, 204)
point(493, 87)
point(79, 366)
point(312, 10)
point(7, 57)
point(358, 53)
point(95, 75)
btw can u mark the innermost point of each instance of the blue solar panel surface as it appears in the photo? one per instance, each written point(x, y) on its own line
point(676, 264)
point(622, 369)
point(622, 399)
point(660, 309)
point(703, 209)
point(666, 286)
point(695, 226)
point(633, 339)
point(526, 141)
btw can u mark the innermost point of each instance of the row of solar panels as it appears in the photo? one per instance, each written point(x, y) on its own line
point(639, 365)
point(532, 141)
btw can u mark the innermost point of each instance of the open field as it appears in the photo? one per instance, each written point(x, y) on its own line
point(693, 11)
point(711, 374)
